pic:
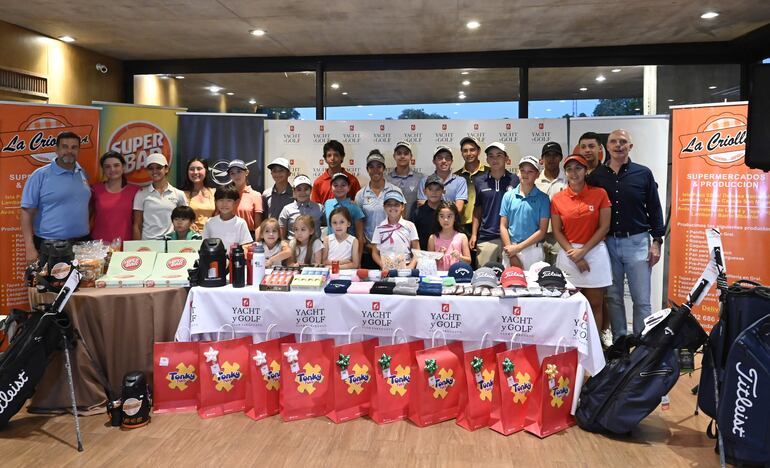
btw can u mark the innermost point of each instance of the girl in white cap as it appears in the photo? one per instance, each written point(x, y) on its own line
point(153, 204)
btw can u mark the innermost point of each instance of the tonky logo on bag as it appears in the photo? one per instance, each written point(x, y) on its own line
point(175, 263)
point(131, 263)
point(486, 384)
point(308, 378)
point(273, 376)
point(521, 387)
point(227, 377)
point(720, 140)
point(443, 383)
point(356, 379)
point(135, 141)
point(560, 392)
point(181, 377)
point(399, 380)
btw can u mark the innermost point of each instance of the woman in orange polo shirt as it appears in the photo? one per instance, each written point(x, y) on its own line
point(580, 215)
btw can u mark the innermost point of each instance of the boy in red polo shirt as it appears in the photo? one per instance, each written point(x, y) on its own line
point(334, 153)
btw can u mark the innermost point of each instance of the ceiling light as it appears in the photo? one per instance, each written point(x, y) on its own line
point(67, 39)
point(163, 77)
point(462, 96)
point(466, 83)
point(583, 89)
point(709, 15)
point(464, 73)
point(712, 87)
point(335, 86)
point(252, 101)
point(230, 94)
point(473, 24)
point(670, 100)
point(600, 78)
point(344, 93)
point(257, 32)
point(637, 109)
point(179, 77)
point(214, 89)
point(616, 70)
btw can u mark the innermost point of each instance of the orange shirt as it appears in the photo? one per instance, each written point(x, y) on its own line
point(248, 206)
point(579, 212)
point(322, 187)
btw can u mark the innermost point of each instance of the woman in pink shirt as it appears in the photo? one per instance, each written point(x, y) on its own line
point(112, 201)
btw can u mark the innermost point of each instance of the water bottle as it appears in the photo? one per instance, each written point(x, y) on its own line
point(238, 260)
point(257, 264)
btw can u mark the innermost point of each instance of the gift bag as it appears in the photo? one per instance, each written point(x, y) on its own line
point(439, 383)
point(265, 376)
point(481, 379)
point(306, 369)
point(175, 377)
point(549, 411)
point(519, 377)
point(224, 372)
point(352, 379)
point(395, 366)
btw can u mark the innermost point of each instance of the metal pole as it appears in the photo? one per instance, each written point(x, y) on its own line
point(70, 382)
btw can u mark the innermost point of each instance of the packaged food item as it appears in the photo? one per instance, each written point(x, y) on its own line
point(90, 257)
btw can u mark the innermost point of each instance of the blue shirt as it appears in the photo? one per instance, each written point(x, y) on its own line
point(372, 206)
point(524, 212)
point(61, 198)
point(489, 196)
point(455, 188)
point(355, 212)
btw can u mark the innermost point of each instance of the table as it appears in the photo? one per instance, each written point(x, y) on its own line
point(119, 327)
point(526, 320)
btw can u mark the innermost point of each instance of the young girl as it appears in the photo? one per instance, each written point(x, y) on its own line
point(306, 248)
point(394, 238)
point(341, 246)
point(448, 237)
point(276, 250)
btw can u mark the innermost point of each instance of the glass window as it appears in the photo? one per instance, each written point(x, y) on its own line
point(697, 84)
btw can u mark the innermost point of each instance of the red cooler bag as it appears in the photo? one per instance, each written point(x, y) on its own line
point(439, 384)
point(549, 411)
point(395, 367)
point(265, 376)
point(352, 379)
point(175, 377)
point(481, 380)
point(224, 371)
point(306, 369)
point(519, 378)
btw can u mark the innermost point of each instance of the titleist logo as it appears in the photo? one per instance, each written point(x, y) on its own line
point(744, 392)
point(7, 396)
point(547, 273)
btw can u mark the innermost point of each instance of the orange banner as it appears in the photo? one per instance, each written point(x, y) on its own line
point(712, 187)
point(28, 141)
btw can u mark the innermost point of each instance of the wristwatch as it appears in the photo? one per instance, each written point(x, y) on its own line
point(658, 240)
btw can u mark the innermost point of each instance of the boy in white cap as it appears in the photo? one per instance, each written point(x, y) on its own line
point(154, 203)
point(280, 194)
point(302, 205)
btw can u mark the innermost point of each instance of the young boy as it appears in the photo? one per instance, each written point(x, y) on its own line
point(455, 187)
point(302, 205)
point(424, 216)
point(394, 238)
point(280, 194)
point(227, 226)
point(182, 218)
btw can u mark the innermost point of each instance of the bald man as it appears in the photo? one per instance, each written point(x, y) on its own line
point(636, 230)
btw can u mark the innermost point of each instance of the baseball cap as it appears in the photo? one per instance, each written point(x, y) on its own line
point(552, 146)
point(484, 276)
point(281, 162)
point(442, 149)
point(302, 179)
point(394, 195)
point(551, 277)
point(375, 156)
point(405, 144)
point(530, 160)
point(461, 272)
point(340, 175)
point(576, 157)
point(470, 139)
point(497, 267)
point(513, 276)
point(236, 163)
point(495, 144)
point(155, 158)
point(434, 179)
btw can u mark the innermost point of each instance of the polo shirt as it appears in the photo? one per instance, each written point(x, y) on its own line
point(372, 206)
point(551, 187)
point(156, 209)
point(191, 235)
point(579, 212)
point(470, 177)
point(355, 212)
point(524, 212)
point(322, 187)
point(274, 201)
point(248, 206)
point(489, 196)
point(409, 184)
point(424, 218)
point(455, 188)
point(395, 238)
point(293, 210)
point(61, 198)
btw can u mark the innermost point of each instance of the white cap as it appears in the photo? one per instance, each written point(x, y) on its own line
point(529, 159)
point(156, 158)
point(495, 144)
point(282, 162)
point(302, 179)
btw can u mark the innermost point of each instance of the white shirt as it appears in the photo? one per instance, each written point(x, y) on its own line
point(232, 231)
point(156, 209)
point(395, 238)
point(551, 187)
point(301, 250)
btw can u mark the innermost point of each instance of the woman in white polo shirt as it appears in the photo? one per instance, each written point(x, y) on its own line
point(154, 203)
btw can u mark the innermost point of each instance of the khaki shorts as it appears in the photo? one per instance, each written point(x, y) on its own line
point(489, 251)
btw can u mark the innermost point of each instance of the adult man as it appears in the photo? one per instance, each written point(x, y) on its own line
point(590, 147)
point(403, 176)
point(455, 188)
point(636, 216)
point(551, 181)
point(280, 194)
point(490, 187)
point(333, 154)
point(473, 168)
point(54, 202)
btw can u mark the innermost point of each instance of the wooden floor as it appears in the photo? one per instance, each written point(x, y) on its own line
point(667, 439)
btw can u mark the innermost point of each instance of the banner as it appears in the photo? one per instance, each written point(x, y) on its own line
point(649, 134)
point(220, 138)
point(712, 187)
point(301, 142)
point(136, 131)
point(28, 141)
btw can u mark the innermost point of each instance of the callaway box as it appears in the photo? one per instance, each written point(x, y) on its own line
point(171, 270)
point(144, 246)
point(127, 270)
point(183, 246)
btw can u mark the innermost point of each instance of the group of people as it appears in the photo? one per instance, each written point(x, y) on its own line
point(598, 221)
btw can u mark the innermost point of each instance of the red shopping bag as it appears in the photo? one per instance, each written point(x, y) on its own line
point(439, 384)
point(306, 369)
point(519, 377)
point(175, 378)
point(481, 380)
point(224, 371)
point(395, 367)
point(549, 411)
point(352, 379)
point(265, 376)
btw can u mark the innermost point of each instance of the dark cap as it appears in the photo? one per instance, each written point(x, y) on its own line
point(434, 179)
point(551, 277)
point(552, 147)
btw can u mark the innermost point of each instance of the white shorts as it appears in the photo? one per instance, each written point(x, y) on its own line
point(598, 260)
point(529, 256)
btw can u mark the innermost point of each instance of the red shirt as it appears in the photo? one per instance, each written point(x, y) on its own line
point(579, 212)
point(113, 213)
point(322, 187)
